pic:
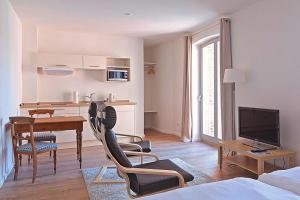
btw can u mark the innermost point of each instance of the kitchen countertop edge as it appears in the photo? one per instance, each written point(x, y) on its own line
point(70, 104)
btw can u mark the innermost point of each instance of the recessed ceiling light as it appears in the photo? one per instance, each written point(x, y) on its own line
point(127, 13)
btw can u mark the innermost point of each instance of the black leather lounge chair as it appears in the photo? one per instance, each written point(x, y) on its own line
point(142, 179)
point(137, 143)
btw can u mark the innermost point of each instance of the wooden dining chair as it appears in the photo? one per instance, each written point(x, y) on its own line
point(32, 147)
point(44, 136)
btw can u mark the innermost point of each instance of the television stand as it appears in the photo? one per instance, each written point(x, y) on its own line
point(260, 147)
point(253, 162)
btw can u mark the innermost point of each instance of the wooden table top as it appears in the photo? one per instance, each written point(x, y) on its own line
point(59, 119)
point(52, 124)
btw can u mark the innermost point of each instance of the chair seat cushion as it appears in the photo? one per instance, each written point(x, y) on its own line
point(147, 183)
point(145, 144)
point(44, 137)
point(40, 147)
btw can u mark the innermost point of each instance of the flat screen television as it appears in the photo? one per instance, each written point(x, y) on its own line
point(258, 124)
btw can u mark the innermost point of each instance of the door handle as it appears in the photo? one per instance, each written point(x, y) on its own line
point(199, 97)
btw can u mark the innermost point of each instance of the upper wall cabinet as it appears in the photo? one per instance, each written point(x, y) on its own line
point(57, 60)
point(94, 62)
point(118, 62)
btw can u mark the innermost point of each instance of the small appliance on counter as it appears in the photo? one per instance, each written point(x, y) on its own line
point(110, 98)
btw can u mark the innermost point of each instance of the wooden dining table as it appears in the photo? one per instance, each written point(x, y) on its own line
point(58, 124)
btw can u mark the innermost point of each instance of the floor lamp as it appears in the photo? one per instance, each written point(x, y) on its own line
point(233, 76)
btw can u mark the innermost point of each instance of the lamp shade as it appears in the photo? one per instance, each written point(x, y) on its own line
point(234, 76)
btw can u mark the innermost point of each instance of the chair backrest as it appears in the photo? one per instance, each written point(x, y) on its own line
point(112, 147)
point(109, 120)
point(50, 112)
point(17, 137)
point(94, 120)
point(102, 119)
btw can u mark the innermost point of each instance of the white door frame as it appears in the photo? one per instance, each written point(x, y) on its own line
point(203, 136)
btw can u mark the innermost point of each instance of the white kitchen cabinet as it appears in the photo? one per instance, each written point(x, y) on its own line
point(56, 60)
point(87, 133)
point(125, 119)
point(66, 136)
point(94, 62)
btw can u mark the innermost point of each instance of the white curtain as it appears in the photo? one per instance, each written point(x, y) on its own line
point(227, 97)
point(186, 125)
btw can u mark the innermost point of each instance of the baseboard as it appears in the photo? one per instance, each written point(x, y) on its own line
point(71, 145)
point(2, 181)
point(6, 175)
point(165, 131)
point(197, 140)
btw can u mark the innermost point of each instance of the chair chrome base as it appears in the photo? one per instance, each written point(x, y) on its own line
point(100, 180)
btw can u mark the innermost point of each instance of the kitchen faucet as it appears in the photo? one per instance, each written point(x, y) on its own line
point(90, 96)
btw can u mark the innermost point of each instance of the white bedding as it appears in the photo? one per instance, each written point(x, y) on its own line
point(287, 179)
point(233, 189)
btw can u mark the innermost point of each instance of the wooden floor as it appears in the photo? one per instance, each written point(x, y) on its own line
point(68, 182)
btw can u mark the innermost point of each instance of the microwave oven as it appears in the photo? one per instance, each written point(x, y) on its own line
point(117, 75)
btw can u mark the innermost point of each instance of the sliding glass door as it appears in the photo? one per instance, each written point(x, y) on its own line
point(210, 125)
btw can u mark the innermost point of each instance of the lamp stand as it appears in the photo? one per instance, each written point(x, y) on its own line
point(233, 112)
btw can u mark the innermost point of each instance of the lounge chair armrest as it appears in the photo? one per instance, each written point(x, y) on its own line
point(134, 153)
point(132, 136)
point(131, 145)
point(160, 172)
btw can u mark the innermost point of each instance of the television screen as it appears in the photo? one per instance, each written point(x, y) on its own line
point(258, 124)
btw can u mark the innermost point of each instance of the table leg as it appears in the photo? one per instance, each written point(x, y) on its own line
point(77, 143)
point(260, 167)
point(20, 143)
point(220, 156)
point(79, 146)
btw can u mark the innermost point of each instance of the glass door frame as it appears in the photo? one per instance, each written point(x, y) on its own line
point(204, 137)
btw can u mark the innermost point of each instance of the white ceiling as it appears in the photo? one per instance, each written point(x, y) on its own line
point(154, 20)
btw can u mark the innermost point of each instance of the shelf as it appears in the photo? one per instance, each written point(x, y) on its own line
point(119, 67)
point(118, 62)
point(150, 111)
point(249, 164)
point(149, 64)
point(243, 162)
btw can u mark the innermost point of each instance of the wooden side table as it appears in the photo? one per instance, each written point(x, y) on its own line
point(254, 162)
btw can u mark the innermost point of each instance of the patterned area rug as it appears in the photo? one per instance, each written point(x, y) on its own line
point(118, 191)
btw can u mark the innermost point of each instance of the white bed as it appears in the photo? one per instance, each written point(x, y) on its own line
point(286, 179)
point(233, 189)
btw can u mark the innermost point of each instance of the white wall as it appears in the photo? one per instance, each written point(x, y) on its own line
point(10, 80)
point(167, 85)
point(59, 88)
point(29, 50)
point(266, 44)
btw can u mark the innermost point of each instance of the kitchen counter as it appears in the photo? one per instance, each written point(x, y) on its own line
point(71, 104)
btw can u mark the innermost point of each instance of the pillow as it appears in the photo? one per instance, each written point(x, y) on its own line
point(286, 179)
